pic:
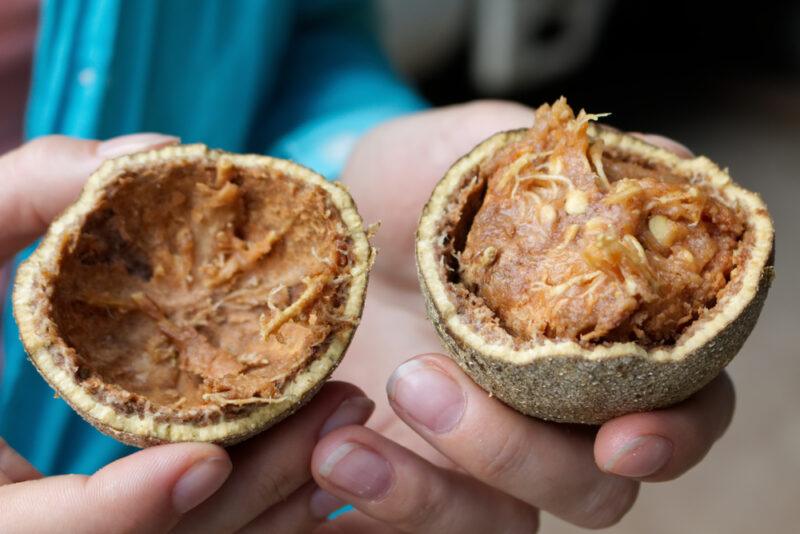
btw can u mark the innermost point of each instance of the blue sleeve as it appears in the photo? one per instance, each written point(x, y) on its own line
point(335, 84)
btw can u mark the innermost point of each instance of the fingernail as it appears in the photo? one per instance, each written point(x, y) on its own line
point(322, 504)
point(428, 395)
point(200, 482)
point(353, 411)
point(128, 144)
point(358, 471)
point(641, 457)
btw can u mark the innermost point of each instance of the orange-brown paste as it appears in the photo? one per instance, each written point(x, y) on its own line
point(575, 242)
point(198, 285)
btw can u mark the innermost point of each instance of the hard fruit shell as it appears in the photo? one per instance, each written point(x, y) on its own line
point(109, 408)
point(565, 382)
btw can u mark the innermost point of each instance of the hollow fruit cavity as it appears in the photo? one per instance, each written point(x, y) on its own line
point(572, 241)
point(203, 283)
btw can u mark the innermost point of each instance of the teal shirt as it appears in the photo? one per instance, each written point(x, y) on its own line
point(296, 79)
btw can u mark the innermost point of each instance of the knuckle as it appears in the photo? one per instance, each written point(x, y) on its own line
point(608, 502)
point(423, 507)
point(426, 510)
point(33, 151)
point(273, 485)
point(504, 458)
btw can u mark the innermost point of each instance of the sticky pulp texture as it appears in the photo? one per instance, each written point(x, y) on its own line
point(203, 284)
point(575, 242)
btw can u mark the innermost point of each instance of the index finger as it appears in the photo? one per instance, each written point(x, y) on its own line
point(272, 466)
point(546, 465)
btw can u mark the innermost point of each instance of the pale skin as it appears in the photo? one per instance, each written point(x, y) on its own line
point(439, 455)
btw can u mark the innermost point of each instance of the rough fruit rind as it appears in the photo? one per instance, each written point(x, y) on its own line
point(152, 424)
point(562, 381)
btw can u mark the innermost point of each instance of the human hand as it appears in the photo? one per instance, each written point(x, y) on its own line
point(442, 455)
point(189, 487)
point(42, 177)
point(262, 484)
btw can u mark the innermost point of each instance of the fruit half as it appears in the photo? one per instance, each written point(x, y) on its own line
point(578, 273)
point(194, 295)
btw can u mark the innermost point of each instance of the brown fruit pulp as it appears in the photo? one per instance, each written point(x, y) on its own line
point(573, 242)
point(202, 284)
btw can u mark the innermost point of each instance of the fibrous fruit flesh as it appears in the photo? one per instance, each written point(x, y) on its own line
point(194, 295)
point(593, 246)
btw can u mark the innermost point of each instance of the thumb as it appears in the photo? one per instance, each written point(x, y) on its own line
point(145, 492)
point(40, 178)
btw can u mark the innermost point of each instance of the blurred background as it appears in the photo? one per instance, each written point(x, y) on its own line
point(723, 80)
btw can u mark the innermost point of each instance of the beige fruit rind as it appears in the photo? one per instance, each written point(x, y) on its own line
point(563, 381)
point(108, 407)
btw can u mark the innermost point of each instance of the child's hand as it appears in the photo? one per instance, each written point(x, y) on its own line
point(444, 456)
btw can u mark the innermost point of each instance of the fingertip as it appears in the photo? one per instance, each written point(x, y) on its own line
point(663, 444)
point(438, 360)
point(163, 464)
point(327, 446)
point(638, 457)
point(148, 490)
point(131, 143)
point(200, 481)
point(424, 393)
point(322, 503)
point(351, 463)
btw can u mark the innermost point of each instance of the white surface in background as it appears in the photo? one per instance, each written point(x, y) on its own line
point(420, 35)
point(519, 43)
point(513, 44)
